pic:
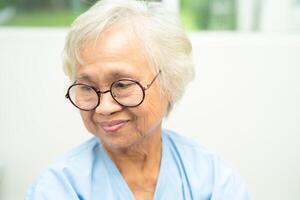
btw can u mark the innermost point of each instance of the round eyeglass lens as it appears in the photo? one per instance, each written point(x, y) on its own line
point(127, 93)
point(83, 96)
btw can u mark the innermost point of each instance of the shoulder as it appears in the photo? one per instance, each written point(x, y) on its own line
point(190, 147)
point(79, 158)
point(205, 169)
point(190, 153)
point(59, 180)
point(82, 149)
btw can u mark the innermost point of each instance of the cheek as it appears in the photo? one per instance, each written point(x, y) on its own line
point(149, 114)
point(87, 120)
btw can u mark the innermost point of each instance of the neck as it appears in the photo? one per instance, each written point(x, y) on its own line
point(145, 154)
point(140, 164)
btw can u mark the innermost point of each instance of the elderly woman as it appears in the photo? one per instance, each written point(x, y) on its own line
point(129, 62)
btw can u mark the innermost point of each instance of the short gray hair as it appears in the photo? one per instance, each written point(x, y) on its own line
point(162, 36)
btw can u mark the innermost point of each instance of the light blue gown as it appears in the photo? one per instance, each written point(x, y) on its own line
point(188, 171)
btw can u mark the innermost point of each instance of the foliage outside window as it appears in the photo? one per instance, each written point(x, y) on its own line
point(41, 12)
point(196, 14)
point(209, 14)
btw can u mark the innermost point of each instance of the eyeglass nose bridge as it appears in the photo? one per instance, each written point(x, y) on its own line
point(100, 92)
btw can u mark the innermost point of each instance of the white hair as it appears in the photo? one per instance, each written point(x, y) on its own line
point(161, 35)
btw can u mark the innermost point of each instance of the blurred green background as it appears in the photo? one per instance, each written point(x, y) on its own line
point(41, 12)
point(195, 14)
point(208, 14)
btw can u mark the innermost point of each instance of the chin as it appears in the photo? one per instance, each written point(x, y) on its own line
point(118, 145)
point(116, 141)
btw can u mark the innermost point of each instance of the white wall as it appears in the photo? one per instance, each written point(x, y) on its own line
point(244, 103)
point(281, 16)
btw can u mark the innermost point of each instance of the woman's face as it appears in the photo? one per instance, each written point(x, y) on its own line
point(113, 56)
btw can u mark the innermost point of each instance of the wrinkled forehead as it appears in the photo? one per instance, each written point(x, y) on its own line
point(115, 49)
point(118, 41)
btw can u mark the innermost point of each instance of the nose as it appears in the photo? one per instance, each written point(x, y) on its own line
point(107, 105)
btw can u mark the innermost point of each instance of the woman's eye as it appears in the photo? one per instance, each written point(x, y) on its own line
point(122, 85)
point(85, 88)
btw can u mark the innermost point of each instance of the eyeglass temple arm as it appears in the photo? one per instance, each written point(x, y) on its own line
point(67, 95)
point(152, 80)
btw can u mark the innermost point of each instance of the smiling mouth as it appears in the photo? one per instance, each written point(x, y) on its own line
point(113, 126)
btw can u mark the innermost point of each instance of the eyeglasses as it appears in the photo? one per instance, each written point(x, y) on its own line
point(126, 92)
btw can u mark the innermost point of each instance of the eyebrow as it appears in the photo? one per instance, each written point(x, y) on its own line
point(121, 74)
point(112, 76)
point(84, 77)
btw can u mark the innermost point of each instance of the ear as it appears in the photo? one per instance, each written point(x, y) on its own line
point(169, 108)
point(170, 103)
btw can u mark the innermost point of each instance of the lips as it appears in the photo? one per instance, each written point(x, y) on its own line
point(113, 126)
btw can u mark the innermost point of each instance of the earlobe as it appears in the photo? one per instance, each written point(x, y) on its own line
point(169, 108)
point(169, 103)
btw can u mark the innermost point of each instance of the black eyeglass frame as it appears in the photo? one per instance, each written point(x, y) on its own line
point(98, 92)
